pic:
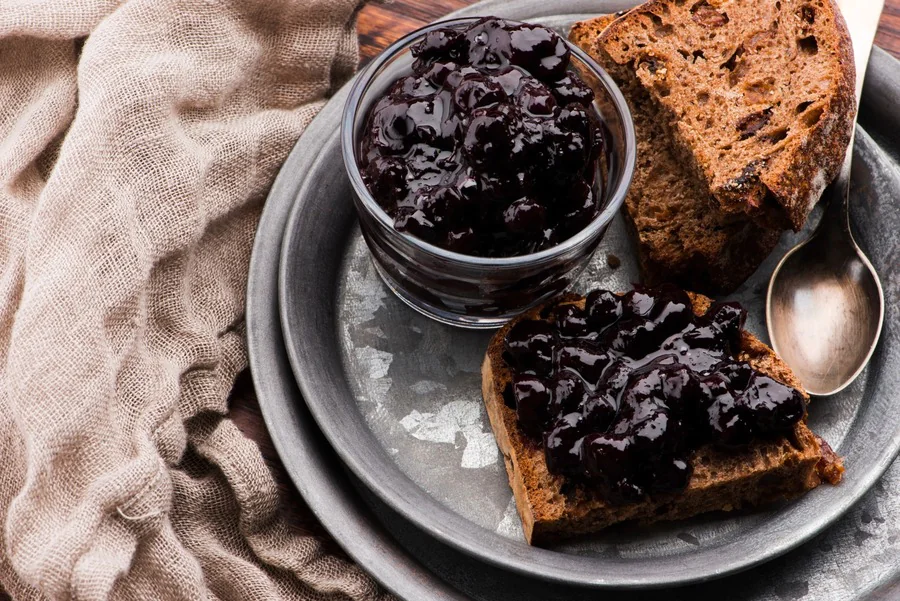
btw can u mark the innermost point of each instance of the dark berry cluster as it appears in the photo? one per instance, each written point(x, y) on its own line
point(491, 147)
point(622, 391)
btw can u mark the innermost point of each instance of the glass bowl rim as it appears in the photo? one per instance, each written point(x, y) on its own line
point(349, 153)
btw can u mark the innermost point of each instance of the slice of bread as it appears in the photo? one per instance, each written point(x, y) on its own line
point(759, 95)
point(551, 508)
point(682, 235)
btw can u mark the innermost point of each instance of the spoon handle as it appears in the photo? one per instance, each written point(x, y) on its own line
point(835, 221)
point(862, 17)
point(862, 21)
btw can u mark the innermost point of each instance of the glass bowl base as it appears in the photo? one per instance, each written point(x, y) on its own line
point(442, 315)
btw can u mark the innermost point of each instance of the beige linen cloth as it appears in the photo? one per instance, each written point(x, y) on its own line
point(138, 139)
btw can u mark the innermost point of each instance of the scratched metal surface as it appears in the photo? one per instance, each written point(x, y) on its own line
point(416, 387)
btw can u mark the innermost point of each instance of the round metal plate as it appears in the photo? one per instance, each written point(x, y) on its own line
point(397, 395)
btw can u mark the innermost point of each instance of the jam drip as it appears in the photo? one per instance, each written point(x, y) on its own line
point(490, 147)
point(621, 392)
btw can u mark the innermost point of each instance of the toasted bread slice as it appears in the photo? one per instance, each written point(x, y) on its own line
point(758, 95)
point(551, 509)
point(682, 235)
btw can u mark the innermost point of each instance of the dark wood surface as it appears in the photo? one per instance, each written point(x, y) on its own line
point(384, 22)
point(379, 25)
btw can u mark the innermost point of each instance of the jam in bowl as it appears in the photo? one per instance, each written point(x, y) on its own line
point(487, 158)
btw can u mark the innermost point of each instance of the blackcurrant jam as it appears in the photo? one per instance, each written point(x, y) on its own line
point(491, 147)
point(621, 392)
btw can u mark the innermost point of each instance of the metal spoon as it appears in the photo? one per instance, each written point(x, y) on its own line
point(825, 306)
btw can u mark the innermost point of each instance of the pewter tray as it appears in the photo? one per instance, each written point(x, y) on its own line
point(398, 396)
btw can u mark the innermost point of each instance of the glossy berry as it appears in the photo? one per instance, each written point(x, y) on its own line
point(535, 99)
point(509, 78)
point(615, 377)
point(730, 421)
point(657, 434)
point(467, 187)
point(736, 373)
point(729, 318)
point(603, 309)
point(462, 240)
point(583, 358)
point(525, 216)
point(530, 344)
point(392, 129)
point(575, 118)
point(569, 393)
point(496, 187)
point(581, 210)
point(414, 222)
point(572, 88)
point(443, 205)
point(562, 444)
point(438, 45)
point(488, 42)
point(438, 73)
point(638, 303)
point(679, 383)
point(607, 457)
point(489, 137)
point(600, 409)
point(775, 407)
point(570, 152)
point(539, 50)
point(386, 177)
point(533, 396)
point(477, 91)
point(571, 321)
point(412, 87)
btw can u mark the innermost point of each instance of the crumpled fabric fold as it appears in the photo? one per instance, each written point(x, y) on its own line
point(138, 140)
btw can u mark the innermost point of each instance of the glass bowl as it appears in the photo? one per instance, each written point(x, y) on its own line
point(470, 291)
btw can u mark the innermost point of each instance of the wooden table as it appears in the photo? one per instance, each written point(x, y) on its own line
point(380, 25)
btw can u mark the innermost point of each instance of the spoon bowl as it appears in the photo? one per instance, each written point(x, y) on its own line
point(825, 310)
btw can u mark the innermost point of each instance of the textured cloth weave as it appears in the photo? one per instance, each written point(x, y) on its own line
point(138, 139)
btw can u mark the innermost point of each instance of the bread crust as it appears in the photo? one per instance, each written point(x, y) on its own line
point(551, 509)
point(778, 188)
